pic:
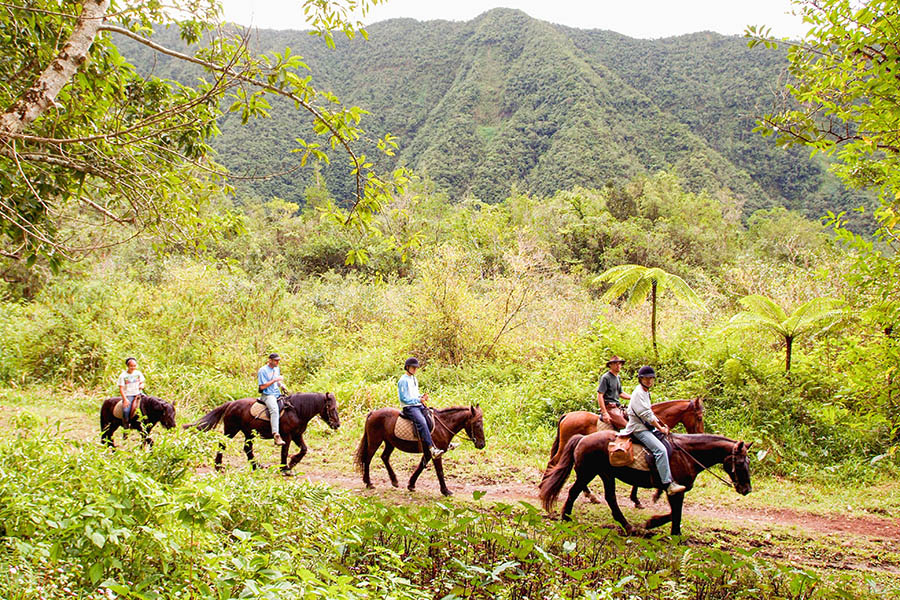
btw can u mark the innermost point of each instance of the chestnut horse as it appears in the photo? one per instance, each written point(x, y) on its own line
point(671, 412)
point(447, 423)
point(693, 453)
point(152, 410)
point(299, 409)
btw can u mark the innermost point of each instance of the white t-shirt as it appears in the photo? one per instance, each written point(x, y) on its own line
point(132, 382)
point(639, 411)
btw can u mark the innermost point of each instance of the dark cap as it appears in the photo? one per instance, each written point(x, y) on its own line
point(274, 356)
point(646, 372)
point(412, 361)
point(615, 359)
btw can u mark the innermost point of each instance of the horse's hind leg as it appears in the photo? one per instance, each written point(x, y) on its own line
point(412, 480)
point(106, 432)
point(248, 449)
point(582, 478)
point(439, 469)
point(634, 497)
point(590, 496)
point(609, 493)
point(386, 459)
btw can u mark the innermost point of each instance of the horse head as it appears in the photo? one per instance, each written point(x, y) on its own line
point(693, 416)
point(737, 465)
point(475, 426)
point(329, 412)
point(158, 409)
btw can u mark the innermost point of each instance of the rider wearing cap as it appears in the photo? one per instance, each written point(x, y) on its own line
point(609, 392)
point(413, 409)
point(640, 421)
point(269, 379)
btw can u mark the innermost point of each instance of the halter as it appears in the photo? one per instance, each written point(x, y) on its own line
point(675, 445)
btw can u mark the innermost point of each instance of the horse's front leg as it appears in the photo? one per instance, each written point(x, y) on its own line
point(386, 459)
point(609, 493)
point(298, 439)
point(675, 501)
point(412, 480)
point(146, 440)
point(107, 431)
point(439, 469)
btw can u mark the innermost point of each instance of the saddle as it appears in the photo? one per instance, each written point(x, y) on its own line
point(259, 410)
point(641, 459)
point(120, 405)
point(405, 429)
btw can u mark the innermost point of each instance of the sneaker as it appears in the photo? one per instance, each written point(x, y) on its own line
point(451, 446)
point(278, 440)
point(436, 452)
point(675, 488)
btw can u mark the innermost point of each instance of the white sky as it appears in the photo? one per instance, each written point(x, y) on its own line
point(635, 18)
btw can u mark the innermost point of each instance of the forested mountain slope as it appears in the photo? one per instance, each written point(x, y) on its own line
point(507, 100)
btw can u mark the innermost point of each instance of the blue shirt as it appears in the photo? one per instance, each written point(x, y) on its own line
point(264, 376)
point(408, 390)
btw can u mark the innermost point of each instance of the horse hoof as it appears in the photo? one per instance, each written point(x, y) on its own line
point(639, 505)
point(395, 484)
point(411, 488)
point(370, 486)
point(594, 499)
point(447, 492)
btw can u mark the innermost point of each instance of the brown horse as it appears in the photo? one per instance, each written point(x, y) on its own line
point(152, 410)
point(299, 409)
point(582, 422)
point(447, 423)
point(692, 454)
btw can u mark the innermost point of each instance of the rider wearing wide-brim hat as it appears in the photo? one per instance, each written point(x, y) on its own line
point(642, 423)
point(609, 391)
point(413, 407)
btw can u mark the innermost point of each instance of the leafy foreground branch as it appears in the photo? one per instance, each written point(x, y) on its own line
point(79, 521)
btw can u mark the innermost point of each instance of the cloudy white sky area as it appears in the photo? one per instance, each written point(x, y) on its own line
point(635, 18)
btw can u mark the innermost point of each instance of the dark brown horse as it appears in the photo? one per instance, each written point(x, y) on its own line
point(582, 422)
point(447, 423)
point(152, 411)
point(299, 409)
point(692, 454)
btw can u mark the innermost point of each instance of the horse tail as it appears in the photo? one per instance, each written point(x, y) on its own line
point(555, 447)
point(555, 478)
point(362, 453)
point(210, 419)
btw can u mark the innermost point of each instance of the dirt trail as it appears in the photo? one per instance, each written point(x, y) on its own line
point(808, 523)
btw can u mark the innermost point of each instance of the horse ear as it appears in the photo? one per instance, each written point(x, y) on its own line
point(472, 408)
point(748, 446)
point(740, 448)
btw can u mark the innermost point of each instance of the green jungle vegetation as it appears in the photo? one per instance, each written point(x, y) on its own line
point(499, 301)
point(607, 198)
point(506, 100)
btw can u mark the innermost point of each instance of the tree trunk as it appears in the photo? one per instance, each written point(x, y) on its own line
point(42, 94)
point(787, 360)
point(653, 319)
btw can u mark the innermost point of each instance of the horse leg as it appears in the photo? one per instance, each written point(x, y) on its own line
point(248, 449)
point(285, 448)
point(439, 469)
point(107, 431)
point(412, 480)
point(657, 520)
point(386, 459)
point(634, 497)
point(298, 439)
point(590, 496)
point(609, 493)
point(582, 478)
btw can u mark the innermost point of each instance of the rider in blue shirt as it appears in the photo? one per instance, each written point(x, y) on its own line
point(413, 409)
point(269, 379)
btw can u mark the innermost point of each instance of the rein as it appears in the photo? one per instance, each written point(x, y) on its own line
point(703, 467)
point(450, 431)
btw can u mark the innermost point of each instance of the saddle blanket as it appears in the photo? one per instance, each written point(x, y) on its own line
point(259, 411)
point(405, 429)
point(642, 458)
point(135, 407)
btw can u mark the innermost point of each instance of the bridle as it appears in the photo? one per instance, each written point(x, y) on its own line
point(438, 421)
point(730, 484)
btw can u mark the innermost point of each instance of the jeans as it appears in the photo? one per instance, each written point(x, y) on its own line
point(649, 441)
point(272, 404)
point(416, 414)
point(126, 408)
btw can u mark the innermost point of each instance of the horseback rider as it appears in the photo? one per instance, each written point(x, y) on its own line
point(413, 407)
point(270, 388)
point(609, 391)
point(642, 424)
point(131, 385)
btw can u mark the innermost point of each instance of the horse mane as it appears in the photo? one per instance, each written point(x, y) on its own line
point(451, 409)
point(702, 438)
point(307, 404)
point(153, 403)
